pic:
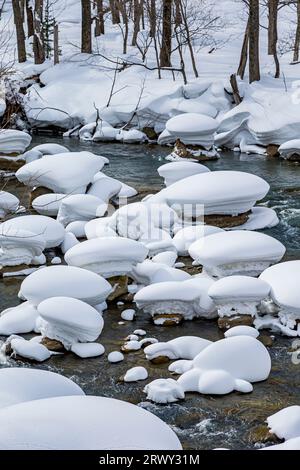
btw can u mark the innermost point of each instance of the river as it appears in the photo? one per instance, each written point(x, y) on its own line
point(201, 422)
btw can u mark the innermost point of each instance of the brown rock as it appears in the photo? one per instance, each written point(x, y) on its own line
point(227, 221)
point(167, 319)
point(10, 164)
point(183, 151)
point(120, 286)
point(150, 133)
point(225, 323)
point(272, 150)
point(266, 340)
point(160, 360)
point(53, 345)
point(262, 434)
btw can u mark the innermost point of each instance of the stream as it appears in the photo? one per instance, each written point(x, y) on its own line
point(201, 422)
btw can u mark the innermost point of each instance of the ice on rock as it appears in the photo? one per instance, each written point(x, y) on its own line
point(67, 173)
point(150, 272)
point(18, 320)
point(107, 256)
point(222, 367)
point(86, 350)
point(238, 295)
point(42, 226)
point(80, 207)
point(44, 149)
point(185, 237)
point(12, 141)
point(48, 204)
point(189, 299)
point(184, 347)
point(29, 350)
point(20, 384)
point(285, 423)
point(83, 423)
point(190, 128)
point(65, 281)
point(241, 330)
point(104, 187)
point(135, 374)
point(176, 171)
point(284, 281)
point(8, 203)
point(237, 252)
point(290, 150)
point(260, 218)
point(128, 315)
point(115, 357)
point(77, 228)
point(19, 246)
point(69, 321)
point(217, 192)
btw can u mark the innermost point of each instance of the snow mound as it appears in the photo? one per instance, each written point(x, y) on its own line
point(44, 149)
point(66, 281)
point(48, 204)
point(150, 272)
point(185, 237)
point(290, 150)
point(8, 203)
point(86, 350)
point(12, 141)
point(18, 320)
point(241, 330)
point(80, 207)
point(286, 423)
point(260, 218)
point(184, 347)
point(83, 423)
point(104, 187)
point(19, 246)
point(115, 357)
point(176, 171)
point(29, 350)
point(135, 374)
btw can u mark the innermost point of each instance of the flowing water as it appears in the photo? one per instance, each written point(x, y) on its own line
point(201, 422)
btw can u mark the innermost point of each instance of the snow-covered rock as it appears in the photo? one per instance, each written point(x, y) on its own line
point(260, 218)
point(69, 321)
point(18, 320)
point(99, 228)
point(150, 272)
point(42, 226)
point(166, 257)
point(68, 242)
point(115, 356)
point(133, 136)
point(176, 171)
point(290, 150)
point(83, 423)
point(66, 281)
point(128, 314)
point(241, 330)
point(86, 350)
point(185, 237)
point(238, 295)
point(135, 374)
point(67, 173)
point(104, 187)
point(157, 241)
point(80, 207)
point(29, 350)
point(77, 228)
point(48, 204)
point(19, 246)
point(12, 141)
point(107, 256)
point(8, 203)
point(44, 149)
point(238, 252)
point(20, 384)
point(184, 347)
point(285, 423)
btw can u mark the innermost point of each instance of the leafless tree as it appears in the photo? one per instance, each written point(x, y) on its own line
point(19, 30)
point(86, 23)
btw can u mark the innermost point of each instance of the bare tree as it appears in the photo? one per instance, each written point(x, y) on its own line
point(115, 12)
point(166, 41)
point(151, 10)
point(29, 18)
point(19, 30)
point(254, 67)
point(99, 29)
point(273, 33)
point(244, 53)
point(297, 36)
point(86, 23)
point(38, 40)
point(137, 16)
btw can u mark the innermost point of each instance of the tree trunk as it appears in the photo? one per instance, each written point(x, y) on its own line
point(19, 30)
point(178, 18)
point(152, 17)
point(273, 33)
point(254, 67)
point(99, 29)
point(166, 47)
point(38, 40)
point(56, 45)
point(244, 54)
point(137, 12)
point(184, 19)
point(115, 14)
point(29, 17)
point(297, 37)
point(86, 22)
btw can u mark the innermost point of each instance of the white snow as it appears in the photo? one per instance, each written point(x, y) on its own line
point(30, 350)
point(285, 423)
point(115, 356)
point(260, 218)
point(184, 347)
point(77, 228)
point(8, 203)
point(48, 204)
point(128, 314)
point(12, 141)
point(44, 149)
point(19, 246)
point(18, 320)
point(185, 237)
point(289, 149)
point(86, 350)
point(176, 171)
point(80, 207)
point(241, 330)
point(150, 272)
point(136, 374)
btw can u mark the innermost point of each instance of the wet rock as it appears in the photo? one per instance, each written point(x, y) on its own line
point(8, 163)
point(262, 434)
point(120, 286)
point(272, 150)
point(196, 152)
point(225, 323)
point(160, 360)
point(227, 221)
point(266, 340)
point(53, 345)
point(167, 319)
point(150, 133)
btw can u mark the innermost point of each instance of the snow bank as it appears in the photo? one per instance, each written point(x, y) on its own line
point(12, 141)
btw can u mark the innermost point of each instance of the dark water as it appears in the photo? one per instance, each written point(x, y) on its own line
point(201, 422)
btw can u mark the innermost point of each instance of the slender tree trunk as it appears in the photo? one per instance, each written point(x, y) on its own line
point(19, 30)
point(297, 37)
point(244, 54)
point(254, 67)
point(22, 5)
point(99, 29)
point(38, 40)
point(86, 23)
point(183, 18)
point(121, 5)
point(273, 33)
point(178, 18)
point(29, 17)
point(152, 17)
point(137, 14)
point(56, 44)
point(115, 13)
point(166, 47)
